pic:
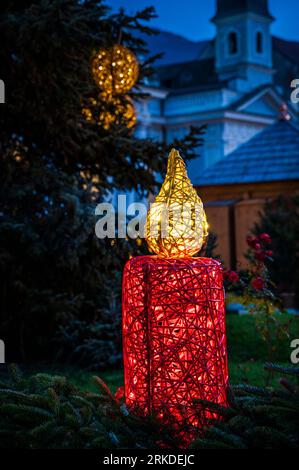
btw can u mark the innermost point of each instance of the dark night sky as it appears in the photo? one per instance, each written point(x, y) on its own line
point(190, 18)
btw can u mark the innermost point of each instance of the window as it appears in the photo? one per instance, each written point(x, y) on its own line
point(232, 43)
point(259, 42)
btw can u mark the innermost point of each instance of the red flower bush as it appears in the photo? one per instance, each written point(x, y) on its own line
point(257, 244)
point(231, 276)
point(256, 291)
point(260, 255)
point(258, 283)
point(255, 279)
point(252, 241)
point(265, 237)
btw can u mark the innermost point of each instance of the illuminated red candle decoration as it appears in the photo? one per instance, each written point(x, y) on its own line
point(174, 339)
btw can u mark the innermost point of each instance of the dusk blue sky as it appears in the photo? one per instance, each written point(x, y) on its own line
point(190, 18)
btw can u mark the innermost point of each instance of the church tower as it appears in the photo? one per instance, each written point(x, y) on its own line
point(243, 45)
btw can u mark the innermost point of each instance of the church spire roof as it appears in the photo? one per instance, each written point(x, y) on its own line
point(226, 8)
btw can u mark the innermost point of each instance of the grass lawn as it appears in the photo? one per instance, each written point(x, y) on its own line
point(247, 354)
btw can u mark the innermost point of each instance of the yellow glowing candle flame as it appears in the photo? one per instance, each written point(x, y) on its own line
point(176, 224)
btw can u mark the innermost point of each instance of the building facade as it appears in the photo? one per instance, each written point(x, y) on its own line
point(236, 84)
point(235, 189)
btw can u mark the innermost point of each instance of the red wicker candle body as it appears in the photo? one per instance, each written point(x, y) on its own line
point(174, 338)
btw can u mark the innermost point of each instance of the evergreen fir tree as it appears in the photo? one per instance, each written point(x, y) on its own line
point(257, 417)
point(61, 285)
point(280, 219)
point(44, 411)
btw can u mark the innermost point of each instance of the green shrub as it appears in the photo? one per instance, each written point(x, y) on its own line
point(280, 218)
point(257, 417)
point(47, 411)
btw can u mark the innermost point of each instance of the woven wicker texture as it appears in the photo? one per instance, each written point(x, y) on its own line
point(176, 224)
point(115, 70)
point(174, 338)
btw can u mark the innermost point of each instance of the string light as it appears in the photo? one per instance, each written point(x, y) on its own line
point(174, 315)
point(116, 110)
point(176, 224)
point(115, 70)
point(123, 113)
point(174, 340)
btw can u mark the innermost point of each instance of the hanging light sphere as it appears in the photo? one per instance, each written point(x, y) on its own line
point(115, 70)
point(118, 111)
point(87, 110)
point(123, 112)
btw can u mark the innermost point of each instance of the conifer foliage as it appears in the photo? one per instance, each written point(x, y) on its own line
point(258, 417)
point(44, 411)
point(280, 218)
point(61, 285)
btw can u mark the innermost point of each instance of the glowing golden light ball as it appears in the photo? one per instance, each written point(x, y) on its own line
point(117, 111)
point(176, 224)
point(87, 114)
point(123, 113)
point(116, 69)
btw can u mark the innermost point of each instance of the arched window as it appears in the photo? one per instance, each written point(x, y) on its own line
point(259, 42)
point(232, 43)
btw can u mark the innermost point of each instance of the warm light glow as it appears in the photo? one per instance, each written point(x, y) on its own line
point(115, 70)
point(174, 339)
point(123, 111)
point(174, 315)
point(87, 114)
point(176, 225)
